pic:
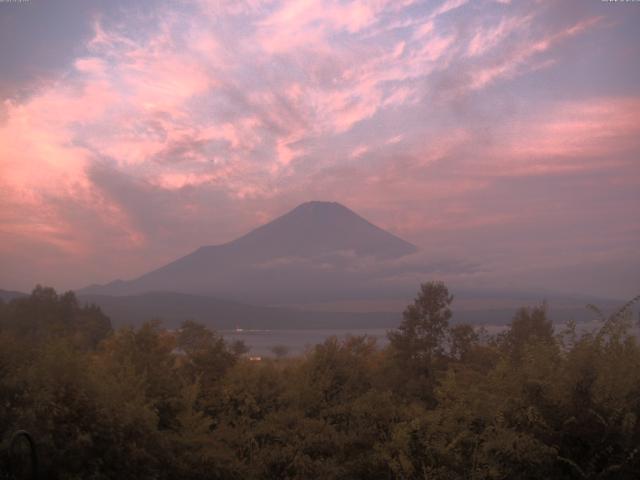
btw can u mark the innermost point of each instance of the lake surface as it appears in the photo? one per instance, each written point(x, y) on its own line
point(260, 342)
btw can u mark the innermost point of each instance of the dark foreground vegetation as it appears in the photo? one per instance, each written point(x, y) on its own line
point(442, 401)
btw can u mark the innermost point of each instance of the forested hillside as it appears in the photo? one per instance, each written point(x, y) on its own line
point(442, 401)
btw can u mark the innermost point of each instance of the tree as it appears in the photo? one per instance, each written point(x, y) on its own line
point(420, 338)
point(463, 338)
point(280, 351)
point(206, 360)
point(44, 315)
point(207, 354)
point(529, 325)
point(425, 322)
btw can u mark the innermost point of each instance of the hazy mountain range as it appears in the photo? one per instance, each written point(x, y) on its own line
point(319, 266)
point(319, 250)
point(172, 308)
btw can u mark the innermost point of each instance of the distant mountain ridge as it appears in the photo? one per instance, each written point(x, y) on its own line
point(174, 308)
point(304, 252)
point(8, 295)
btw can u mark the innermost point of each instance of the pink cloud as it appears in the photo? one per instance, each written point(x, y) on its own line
point(488, 38)
point(359, 151)
point(447, 6)
point(517, 60)
point(366, 102)
point(573, 136)
point(307, 24)
point(287, 151)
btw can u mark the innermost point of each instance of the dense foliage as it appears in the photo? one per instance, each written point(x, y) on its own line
point(441, 401)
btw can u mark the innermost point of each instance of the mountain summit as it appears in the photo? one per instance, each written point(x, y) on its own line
point(316, 228)
point(312, 248)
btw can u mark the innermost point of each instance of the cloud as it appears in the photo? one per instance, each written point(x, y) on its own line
point(571, 137)
point(520, 57)
point(487, 39)
point(418, 116)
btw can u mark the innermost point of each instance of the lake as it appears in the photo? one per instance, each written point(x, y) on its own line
point(297, 341)
point(260, 342)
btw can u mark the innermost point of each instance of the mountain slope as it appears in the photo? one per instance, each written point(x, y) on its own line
point(306, 252)
point(316, 228)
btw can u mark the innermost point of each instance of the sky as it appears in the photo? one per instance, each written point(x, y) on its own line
point(500, 136)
